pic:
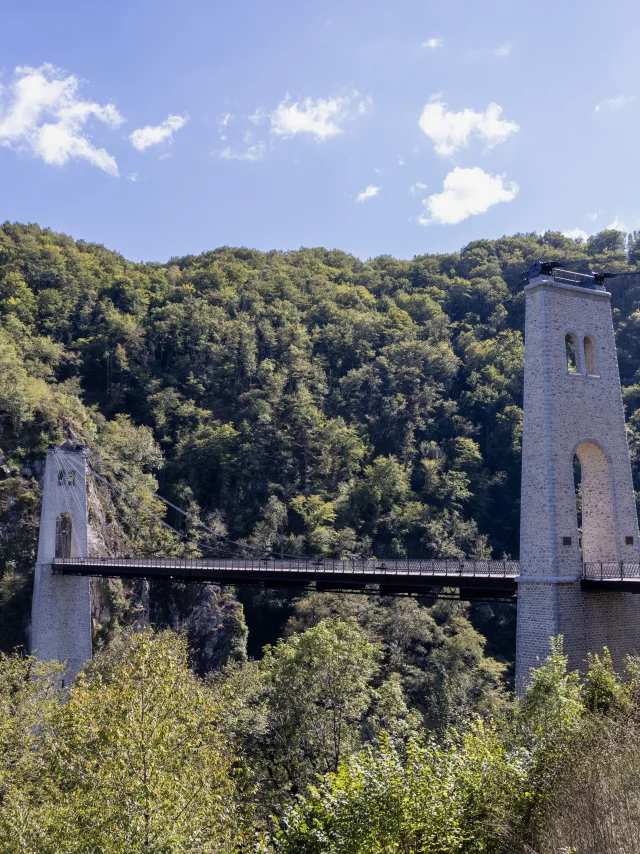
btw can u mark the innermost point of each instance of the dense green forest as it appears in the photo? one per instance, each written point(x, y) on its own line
point(309, 403)
point(305, 402)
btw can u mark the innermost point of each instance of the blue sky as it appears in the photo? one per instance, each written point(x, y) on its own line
point(163, 129)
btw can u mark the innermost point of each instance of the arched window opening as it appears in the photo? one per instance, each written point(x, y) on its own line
point(64, 535)
point(590, 355)
point(571, 347)
point(594, 504)
point(61, 478)
point(72, 478)
point(577, 485)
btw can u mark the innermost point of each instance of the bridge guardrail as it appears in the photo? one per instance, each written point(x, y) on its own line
point(383, 567)
point(614, 571)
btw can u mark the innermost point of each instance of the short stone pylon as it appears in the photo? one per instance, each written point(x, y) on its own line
point(61, 607)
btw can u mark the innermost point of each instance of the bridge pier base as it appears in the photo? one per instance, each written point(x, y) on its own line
point(588, 621)
point(61, 606)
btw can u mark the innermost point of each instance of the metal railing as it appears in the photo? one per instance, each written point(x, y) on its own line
point(313, 566)
point(615, 571)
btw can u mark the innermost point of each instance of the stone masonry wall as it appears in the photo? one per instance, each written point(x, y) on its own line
point(61, 609)
point(567, 413)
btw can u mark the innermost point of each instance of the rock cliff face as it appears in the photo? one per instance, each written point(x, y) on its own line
point(210, 615)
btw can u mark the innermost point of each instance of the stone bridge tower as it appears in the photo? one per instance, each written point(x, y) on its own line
point(61, 608)
point(573, 407)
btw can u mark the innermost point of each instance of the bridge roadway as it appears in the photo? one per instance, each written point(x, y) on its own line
point(474, 578)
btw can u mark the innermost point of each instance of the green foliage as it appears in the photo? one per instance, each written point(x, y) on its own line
point(309, 403)
point(133, 761)
point(307, 704)
point(312, 749)
point(434, 651)
point(451, 797)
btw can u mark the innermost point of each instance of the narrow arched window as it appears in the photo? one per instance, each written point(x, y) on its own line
point(64, 535)
point(590, 355)
point(72, 478)
point(61, 478)
point(571, 348)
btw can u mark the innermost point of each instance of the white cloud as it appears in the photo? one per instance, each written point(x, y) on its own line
point(576, 233)
point(223, 123)
point(401, 160)
point(41, 111)
point(143, 138)
point(617, 102)
point(133, 176)
point(594, 216)
point(618, 225)
point(322, 118)
point(258, 116)
point(251, 153)
point(432, 43)
point(466, 192)
point(451, 131)
point(416, 188)
point(504, 49)
point(368, 193)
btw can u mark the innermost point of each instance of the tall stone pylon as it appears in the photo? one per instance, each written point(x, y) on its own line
point(573, 407)
point(61, 607)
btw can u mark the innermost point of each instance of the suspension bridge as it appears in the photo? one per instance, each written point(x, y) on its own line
point(569, 581)
point(473, 578)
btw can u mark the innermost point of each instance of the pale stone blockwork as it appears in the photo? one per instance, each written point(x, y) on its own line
point(61, 608)
point(567, 413)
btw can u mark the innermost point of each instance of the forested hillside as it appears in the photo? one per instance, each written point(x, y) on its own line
point(304, 401)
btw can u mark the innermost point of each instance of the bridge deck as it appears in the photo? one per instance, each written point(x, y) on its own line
point(490, 578)
point(471, 577)
point(614, 577)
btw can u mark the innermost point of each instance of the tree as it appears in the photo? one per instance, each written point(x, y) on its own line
point(456, 797)
point(135, 759)
point(306, 705)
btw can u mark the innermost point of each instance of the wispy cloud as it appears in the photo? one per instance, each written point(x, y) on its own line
point(143, 138)
point(258, 116)
point(618, 225)
point(133, 176)
point(503, 50)
point(41, 111)
point(576, 233)
point(466, 192)
point(368, 193)
point(417, 188)
point(617, 102)
point(451, 131)
point(433, 43)
point(251, 153)
point(594, 216)
point(321, 118)
point(223, 122)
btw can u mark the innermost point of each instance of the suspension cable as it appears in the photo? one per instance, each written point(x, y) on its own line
point(181, 536)
point(184, 513)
